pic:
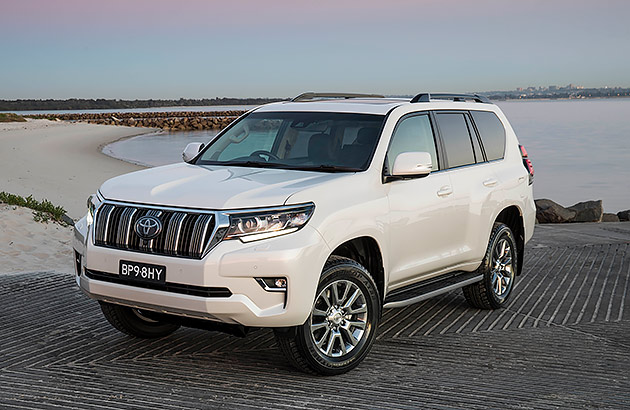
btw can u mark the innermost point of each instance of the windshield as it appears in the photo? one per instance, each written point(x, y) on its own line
point(317, 141)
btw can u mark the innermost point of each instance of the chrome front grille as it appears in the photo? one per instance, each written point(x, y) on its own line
point(184, 233)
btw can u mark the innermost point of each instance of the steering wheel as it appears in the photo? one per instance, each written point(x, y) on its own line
point(261, 152)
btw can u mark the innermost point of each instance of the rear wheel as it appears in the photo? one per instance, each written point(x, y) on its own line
point(341, 328)
point(136, 322)
point(499, 271)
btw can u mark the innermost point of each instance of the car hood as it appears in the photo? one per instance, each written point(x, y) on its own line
point(211, 187)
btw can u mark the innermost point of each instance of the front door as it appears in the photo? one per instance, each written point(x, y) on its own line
point(421, 228)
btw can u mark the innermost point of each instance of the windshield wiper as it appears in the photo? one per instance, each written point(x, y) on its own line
point(328, 168)
point(257, 164)
point(251, 164)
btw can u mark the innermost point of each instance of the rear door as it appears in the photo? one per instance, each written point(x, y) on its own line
point(473, 181)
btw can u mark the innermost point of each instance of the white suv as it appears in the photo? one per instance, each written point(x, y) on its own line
point(310, 217)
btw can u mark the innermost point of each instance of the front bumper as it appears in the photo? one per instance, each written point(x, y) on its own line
point(299, 257)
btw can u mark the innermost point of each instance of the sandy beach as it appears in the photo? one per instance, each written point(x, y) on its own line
point(58, 161)
point(29, 246)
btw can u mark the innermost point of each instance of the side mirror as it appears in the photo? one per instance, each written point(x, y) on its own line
point(412, 164)
point(191, 151)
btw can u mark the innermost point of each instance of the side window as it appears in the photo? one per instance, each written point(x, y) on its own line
point(475, 140)
point(492, 133)
point(412, 134)
point(456, 139)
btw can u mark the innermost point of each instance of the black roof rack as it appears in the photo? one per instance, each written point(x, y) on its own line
point(426, 97)
point(311, 96)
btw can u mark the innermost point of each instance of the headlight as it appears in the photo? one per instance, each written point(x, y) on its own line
point(93, 202)
point(252, 226)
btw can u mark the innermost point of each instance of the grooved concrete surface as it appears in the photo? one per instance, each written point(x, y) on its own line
point(563, 342)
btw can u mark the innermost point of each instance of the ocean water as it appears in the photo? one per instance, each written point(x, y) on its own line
point(156, 149)
point(580, 148)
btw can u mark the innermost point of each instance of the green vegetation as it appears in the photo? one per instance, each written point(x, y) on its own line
point(10, 117)
point(39, 216)
point(43, 210)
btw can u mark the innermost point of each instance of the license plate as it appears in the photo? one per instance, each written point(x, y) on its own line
point(142, 272)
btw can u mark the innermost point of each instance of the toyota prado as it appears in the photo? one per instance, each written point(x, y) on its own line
point(310, 217)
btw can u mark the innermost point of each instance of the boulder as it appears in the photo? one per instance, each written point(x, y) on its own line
point(610, 218)
point(624, 215)
point(589, 211)
point(549, 212)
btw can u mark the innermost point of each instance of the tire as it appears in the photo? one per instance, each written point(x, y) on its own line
point(338, 334)
point(498, 269)
point(135, 322)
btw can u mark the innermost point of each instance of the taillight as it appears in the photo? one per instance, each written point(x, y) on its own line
point(523, 151)
point(527, 163)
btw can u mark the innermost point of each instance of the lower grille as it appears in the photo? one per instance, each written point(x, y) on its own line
point(183, 234)
point(206, 292)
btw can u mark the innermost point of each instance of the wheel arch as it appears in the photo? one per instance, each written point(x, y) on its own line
point(366, 251)
point(512, 216)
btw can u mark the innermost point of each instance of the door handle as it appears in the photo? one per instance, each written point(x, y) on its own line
point(445, 191)
point(490, 182)
point(521, 179)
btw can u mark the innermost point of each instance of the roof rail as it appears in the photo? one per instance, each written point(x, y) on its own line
point(311, 96)
point(426, 97)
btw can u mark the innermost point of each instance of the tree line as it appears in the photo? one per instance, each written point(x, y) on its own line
point(113, 104)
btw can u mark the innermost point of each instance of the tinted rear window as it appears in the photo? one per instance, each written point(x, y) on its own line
point(456, 139)
point(492, 133)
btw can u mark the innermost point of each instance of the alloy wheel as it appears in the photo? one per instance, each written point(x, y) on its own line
point(502, 268)
point(339, 319)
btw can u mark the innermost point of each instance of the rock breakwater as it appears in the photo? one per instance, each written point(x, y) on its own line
point(168, 121)
point(548, 211)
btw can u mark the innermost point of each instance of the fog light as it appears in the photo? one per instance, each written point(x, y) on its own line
point(273, 284)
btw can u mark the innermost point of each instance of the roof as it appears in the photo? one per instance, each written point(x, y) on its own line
point(368, 104)
point(353, 105)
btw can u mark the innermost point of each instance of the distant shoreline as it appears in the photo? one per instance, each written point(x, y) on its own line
point(621, 97)
point(24, 105)
point(102, 104)
point(245, 107)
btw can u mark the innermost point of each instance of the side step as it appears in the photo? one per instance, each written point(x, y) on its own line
point(427, 289)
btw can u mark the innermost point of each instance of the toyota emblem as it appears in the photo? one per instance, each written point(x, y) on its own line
point(148, 227)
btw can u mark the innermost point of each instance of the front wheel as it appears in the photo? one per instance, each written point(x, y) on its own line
point(498, 269)
point(342, 325)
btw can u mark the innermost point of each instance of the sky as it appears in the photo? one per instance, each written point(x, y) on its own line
point(138, 49)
